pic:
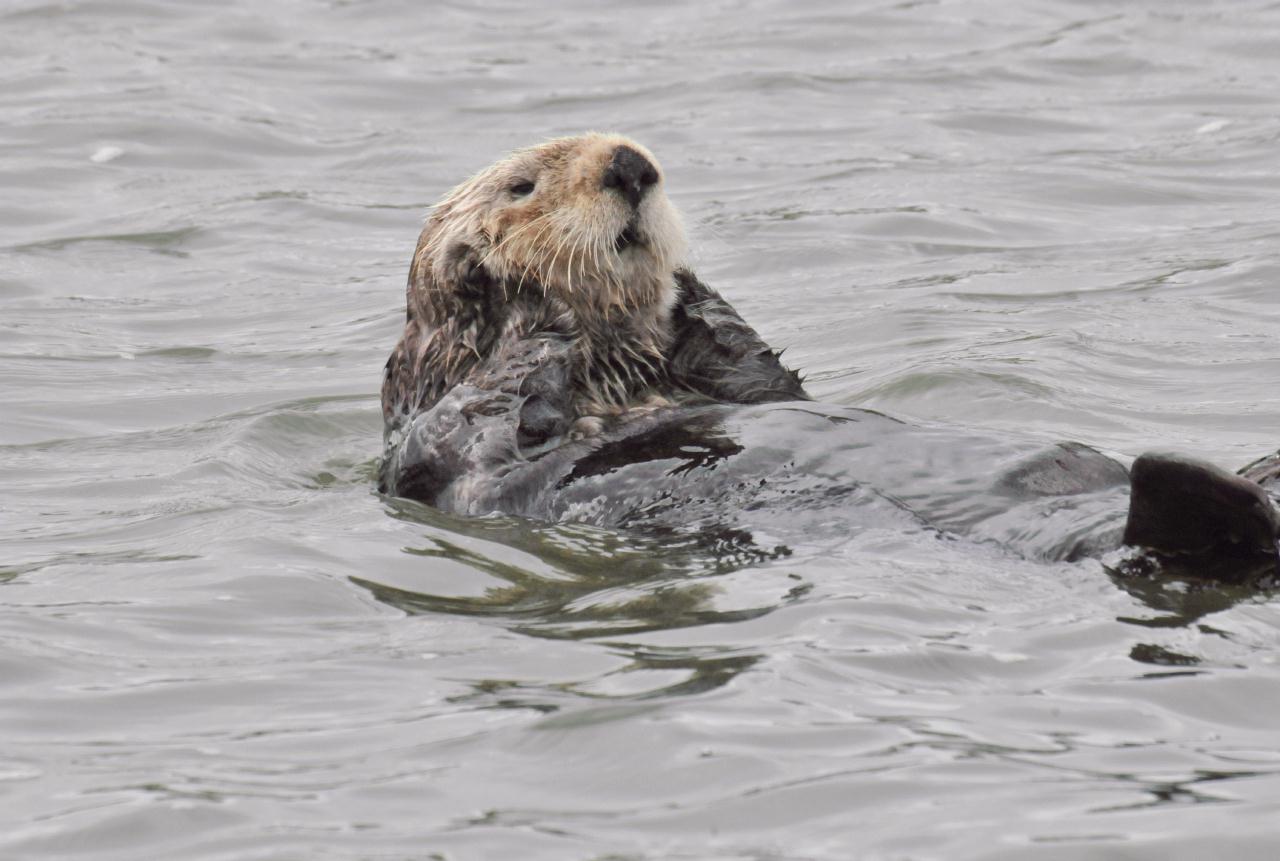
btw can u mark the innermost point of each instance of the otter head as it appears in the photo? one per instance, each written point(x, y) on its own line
point(574, 238)
point(583, 219)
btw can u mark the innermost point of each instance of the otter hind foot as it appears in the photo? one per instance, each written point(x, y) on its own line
point(1198, 519)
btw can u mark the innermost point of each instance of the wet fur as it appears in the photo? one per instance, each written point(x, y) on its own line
point(491, 262)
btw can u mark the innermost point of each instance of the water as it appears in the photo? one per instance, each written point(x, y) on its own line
point(1057, 218)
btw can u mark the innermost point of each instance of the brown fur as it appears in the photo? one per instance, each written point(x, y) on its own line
point(493, 259)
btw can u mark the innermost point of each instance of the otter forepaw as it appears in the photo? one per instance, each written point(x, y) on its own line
point(585, 427)
point(650, 404)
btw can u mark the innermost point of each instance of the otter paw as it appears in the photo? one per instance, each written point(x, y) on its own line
point(587, 426)
point(649, 404)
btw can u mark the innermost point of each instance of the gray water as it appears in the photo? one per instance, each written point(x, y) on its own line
point(1057, 218)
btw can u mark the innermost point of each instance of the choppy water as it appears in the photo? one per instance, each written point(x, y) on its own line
point(217, 642)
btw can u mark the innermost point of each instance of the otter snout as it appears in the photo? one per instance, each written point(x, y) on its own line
point(631, 174)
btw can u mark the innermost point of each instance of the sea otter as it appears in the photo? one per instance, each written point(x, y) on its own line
point(559, 361)
point(575, 237)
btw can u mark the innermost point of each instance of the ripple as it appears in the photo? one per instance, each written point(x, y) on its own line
point(220, 642)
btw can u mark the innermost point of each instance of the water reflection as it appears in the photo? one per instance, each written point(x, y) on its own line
point(650, 674)
point(1179, 600)
point(573, 582)
point(160, 242)
point(589, 582)
point(1186, 791)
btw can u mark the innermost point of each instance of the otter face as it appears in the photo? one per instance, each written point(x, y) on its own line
point(584, 218)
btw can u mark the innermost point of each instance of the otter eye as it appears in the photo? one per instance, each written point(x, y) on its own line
point(522, 189)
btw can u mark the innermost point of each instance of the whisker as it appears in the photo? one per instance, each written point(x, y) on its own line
point(582, 263)
point(587, 239)
point(511, 236)
point(556, 258)
point(533, 259)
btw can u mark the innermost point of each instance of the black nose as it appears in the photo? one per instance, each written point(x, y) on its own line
point(630, 173)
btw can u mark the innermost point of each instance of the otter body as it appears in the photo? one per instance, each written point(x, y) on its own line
point(560, 362)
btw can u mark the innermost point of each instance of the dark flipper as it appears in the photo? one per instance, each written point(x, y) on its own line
point(718, 355)
point(1200, 520)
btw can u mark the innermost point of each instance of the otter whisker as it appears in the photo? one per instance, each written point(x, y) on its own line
point(556, 257)
point(532, 260)
point(538, 258)
point(574, 253)
point(542, 222)
point(535, 260)
point(506, 240)
point(597, 245)
point(582, 258)
point(543, 268)
point(568, 268)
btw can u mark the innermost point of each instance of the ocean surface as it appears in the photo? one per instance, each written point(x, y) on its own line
point(1055, 218)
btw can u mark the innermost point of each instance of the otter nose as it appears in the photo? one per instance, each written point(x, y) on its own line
point(630, 173)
